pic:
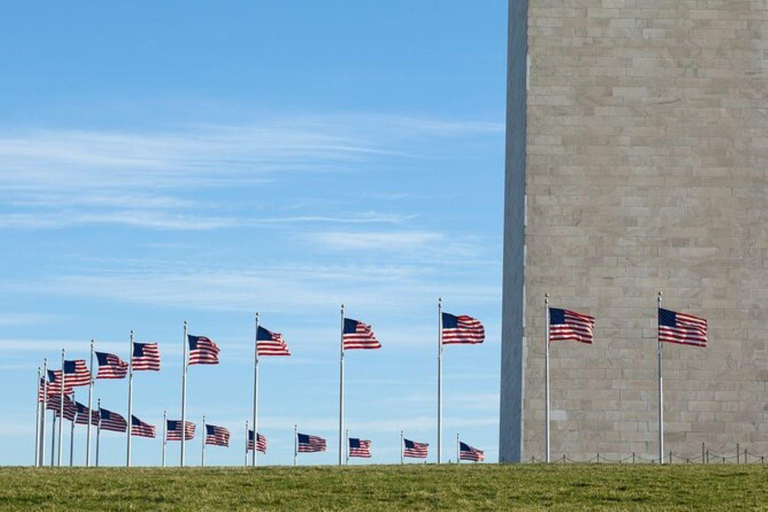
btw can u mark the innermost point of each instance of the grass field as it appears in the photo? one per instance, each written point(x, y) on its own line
point(410, 487)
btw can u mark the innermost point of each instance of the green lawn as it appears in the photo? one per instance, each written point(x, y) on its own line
point(410, 487)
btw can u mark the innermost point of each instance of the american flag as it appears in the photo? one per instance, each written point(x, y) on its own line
point(112, 421)
point(217, 436)
point(462, 329)
point(682, 329)
point(358, 335)
point(54, 404)
point(41, 390)
point(261, 444)
point(467, 452)
point(82, 415)
point(141, 429)
point(54, 383)
point(111, 366)
point(76, 373)
point(202, 350)
point(146, 356)
point(174, 431)
point(359, 448)
point(415, 450)
point(309, 444)
point(568, 325)
point(270, 343)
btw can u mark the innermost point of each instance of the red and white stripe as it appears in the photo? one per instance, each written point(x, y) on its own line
point(141, 429)
point(261, 442)
point(470, 453)
point(206, 352)
point(468, 331)
point(275, 346)
point(111, 366)
point(415, 450)
point(76, 373)
point(216, 436)
point(174, 431)
point(688, 330)
point(577, 327)
point(148, 358)
point(362, 338)
point(362, 451)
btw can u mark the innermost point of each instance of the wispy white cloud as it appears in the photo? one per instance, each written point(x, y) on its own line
point(57, 179)
point(53, 346)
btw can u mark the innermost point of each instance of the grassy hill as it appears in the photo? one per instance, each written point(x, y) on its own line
point(410, 487)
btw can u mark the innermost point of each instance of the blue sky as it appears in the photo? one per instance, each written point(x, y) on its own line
point(168, 161)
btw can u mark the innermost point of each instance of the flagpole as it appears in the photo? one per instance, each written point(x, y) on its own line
point(439, 380)
point(547, 452)
point(245, 464)
point(341, 391)
point(42, 414)
point(255, 391)
point(402, 447)
point(347, 445)
point(458, 450)
point(37, 419)
point(202, 435)
point(184, 390)
point(165, 436)
point(98, 432)
point(72, 437)
point(661, 388)
point(90, 413)
point(61, 407)
point(130, 401)
point(295, 444)
point(53, 438)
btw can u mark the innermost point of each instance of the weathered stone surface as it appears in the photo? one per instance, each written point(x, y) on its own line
point(646, 170)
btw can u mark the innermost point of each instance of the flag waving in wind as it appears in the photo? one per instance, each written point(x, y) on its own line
point(174, 430)
point(310, 444)
point(54, 383)
point(82, 415)
point(216, 436)
point(261, 443)
point(568, 325)
point(682, 329)
point(146, 356)
point(111, 366)
point(141, 429)
point(358, 335)
point(112, 421)
point(462, 329)
point(270, 343)
point(76, 373)
point(415, 450)
point(467, 452)
point(202, 350)
point(359, 448)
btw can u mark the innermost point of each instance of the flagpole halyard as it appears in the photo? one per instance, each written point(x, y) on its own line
point(90, 413)
point(341, 391)
point(255, 389)
point(661, 387)
point(439, 380)
point(184, 391)
point(130, 401)
point(546, 380)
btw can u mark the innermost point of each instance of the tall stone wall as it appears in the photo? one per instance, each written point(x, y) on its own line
point(646, 170)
